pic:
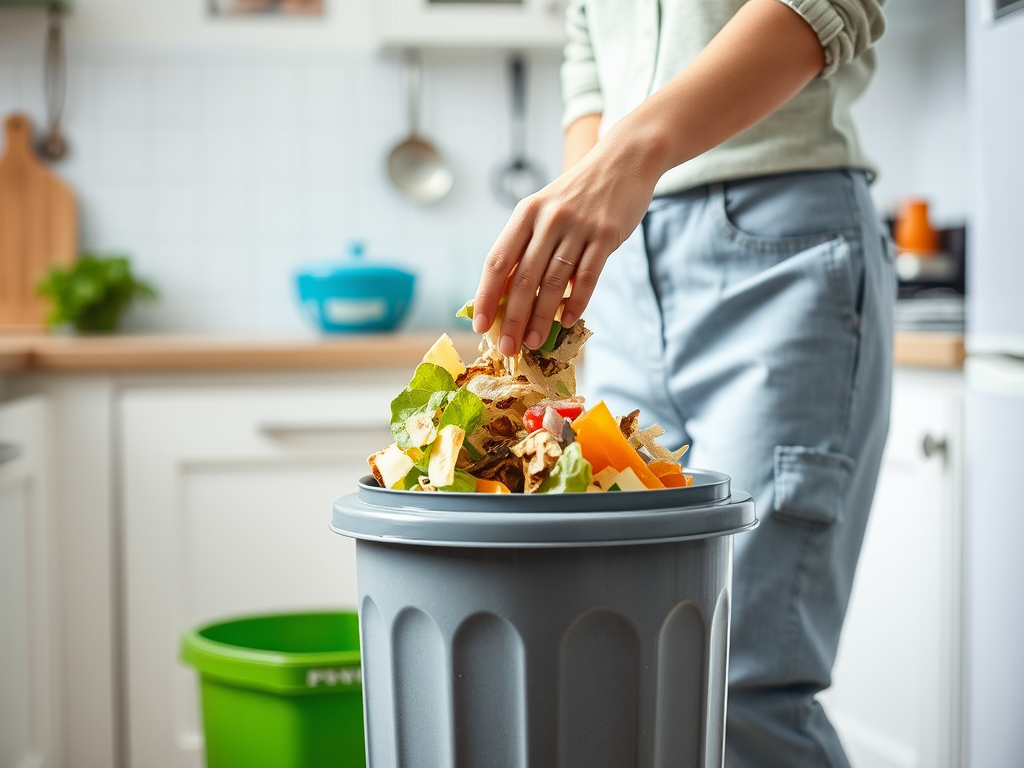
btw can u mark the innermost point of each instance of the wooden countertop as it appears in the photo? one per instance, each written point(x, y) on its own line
point(929, 350)
point(217, 353)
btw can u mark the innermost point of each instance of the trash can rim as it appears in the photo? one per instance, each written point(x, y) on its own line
point(354, 517)
point(709, 487)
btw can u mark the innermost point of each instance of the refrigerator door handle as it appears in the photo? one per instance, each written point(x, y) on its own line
point(1001, 375)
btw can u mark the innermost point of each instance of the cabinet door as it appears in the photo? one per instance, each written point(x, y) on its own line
point(471, 23)
point(895, 692)
point(27, 712)
point(227, 495)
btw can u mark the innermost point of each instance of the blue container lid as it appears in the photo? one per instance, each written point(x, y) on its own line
point(354, 266)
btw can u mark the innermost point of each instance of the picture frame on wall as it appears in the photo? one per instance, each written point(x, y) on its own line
point(266, 7)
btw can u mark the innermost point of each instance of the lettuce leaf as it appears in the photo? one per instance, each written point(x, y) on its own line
point(419, 468)
point(464, 483)
point(571, 474)
point(465, 409)
point(427, 392)
point(413, 478)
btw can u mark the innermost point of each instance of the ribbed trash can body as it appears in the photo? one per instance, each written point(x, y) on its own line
point(495, 635)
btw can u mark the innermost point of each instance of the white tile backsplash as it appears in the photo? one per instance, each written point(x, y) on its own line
point(221, 173)
point(172, 95)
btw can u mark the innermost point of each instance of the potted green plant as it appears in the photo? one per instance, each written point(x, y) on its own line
point(92, 292)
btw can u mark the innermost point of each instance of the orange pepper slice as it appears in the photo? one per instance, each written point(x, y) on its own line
point(604, 445)
point(677, 481)
point(491, 486)
point(661, 468)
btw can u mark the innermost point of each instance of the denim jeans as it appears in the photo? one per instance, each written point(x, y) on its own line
point(753, 320)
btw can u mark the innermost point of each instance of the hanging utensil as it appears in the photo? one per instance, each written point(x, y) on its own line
point(52, 144)
point(415, 166)
point(521, 177)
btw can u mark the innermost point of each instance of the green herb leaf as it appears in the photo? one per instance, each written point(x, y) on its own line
point(571, 474)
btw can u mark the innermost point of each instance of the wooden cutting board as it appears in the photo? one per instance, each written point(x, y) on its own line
point(38, 227)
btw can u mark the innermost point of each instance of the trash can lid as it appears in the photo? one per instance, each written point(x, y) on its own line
point(707, 508)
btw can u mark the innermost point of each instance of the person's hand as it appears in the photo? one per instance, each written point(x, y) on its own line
point(562, 236)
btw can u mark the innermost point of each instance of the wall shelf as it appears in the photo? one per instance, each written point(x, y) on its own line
point(64, 5)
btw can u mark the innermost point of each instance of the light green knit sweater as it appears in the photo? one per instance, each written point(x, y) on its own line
point(620, 51)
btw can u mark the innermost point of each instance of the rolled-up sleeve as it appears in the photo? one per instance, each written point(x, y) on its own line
point(581, 88)
point(846, 28)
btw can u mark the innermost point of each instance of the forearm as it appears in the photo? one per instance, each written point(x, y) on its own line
point(580, 138)
point(563, 234)
point(765, 55)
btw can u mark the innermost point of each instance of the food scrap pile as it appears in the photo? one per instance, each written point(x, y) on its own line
point(515, 425)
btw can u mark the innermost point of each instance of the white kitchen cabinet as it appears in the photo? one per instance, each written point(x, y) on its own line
point(28, 707)
point(896, 692)
point(226, 494)
point(470, 23)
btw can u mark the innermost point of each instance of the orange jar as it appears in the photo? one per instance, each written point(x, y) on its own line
point(913, 231)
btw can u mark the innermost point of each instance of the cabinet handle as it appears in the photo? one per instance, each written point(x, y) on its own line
point(934, 447)
point(281, 429)
point(9, 452)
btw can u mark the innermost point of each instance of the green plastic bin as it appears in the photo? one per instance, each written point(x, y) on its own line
point(282, 691)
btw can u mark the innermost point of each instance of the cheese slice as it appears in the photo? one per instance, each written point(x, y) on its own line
point(628, 481)
point(605, 477)
point(444, 354)
point(391, 465)
point(444, 453)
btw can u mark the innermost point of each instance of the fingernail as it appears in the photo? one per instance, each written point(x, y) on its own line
point(507, 346)
point(481, 323)
point(568, 319)
point(533, 339)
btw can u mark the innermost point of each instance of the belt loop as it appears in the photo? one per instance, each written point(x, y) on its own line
point(716, 201)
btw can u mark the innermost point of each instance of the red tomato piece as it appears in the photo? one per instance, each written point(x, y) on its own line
point(533, 419)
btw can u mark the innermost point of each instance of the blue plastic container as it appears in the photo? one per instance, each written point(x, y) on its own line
point(355, 296)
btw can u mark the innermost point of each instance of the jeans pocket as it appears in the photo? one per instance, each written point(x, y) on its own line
point(844, 262)
point(810, 484)
point(785, 213)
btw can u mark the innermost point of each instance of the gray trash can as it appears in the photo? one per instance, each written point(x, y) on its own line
point(574, 630)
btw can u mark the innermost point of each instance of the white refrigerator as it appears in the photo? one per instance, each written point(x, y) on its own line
point(994, 518)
